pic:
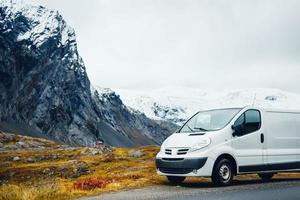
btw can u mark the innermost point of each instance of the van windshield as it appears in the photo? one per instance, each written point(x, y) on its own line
point(210, 120)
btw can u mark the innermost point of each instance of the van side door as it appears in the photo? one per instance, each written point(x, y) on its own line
point(283, 140)
point(248, 141)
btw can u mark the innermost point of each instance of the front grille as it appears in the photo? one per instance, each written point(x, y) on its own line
point(168, 151)
point(176, 170)
point(182, 151)
point(195, 134)
point(172, 159)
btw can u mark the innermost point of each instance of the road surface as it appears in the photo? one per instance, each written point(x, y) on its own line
point(285, 189)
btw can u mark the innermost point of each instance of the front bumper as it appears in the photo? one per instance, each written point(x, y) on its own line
point(179, 165)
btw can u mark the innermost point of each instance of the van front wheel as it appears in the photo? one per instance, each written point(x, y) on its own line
point(222, 173)
point(176, 179)
point(266, 176)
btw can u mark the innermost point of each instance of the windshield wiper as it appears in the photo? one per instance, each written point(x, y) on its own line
point(190, 128)
point(200, 129)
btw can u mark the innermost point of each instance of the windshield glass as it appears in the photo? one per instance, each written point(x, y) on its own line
point(211, 120)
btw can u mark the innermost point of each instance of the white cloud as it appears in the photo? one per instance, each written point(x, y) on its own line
point(205, 44)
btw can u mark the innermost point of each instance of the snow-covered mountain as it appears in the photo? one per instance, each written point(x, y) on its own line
point(177, 104)
point(46, 92)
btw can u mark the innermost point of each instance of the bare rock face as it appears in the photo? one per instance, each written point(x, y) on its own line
point(45, 90)
point(120, 119)
point(42, 78)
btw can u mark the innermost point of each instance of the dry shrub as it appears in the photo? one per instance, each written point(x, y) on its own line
point(96, 182)
point(90, 183)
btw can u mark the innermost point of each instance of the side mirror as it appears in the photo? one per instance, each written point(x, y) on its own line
point(233, 127)
point(177, 131)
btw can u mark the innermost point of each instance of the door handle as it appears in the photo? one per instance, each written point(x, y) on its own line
point(262, 138)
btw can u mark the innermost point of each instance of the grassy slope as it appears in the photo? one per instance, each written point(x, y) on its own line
point(49, 174)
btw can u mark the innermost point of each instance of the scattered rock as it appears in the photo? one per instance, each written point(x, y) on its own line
point(93, 151)
point(1, 145)
point(21, 144)
point(74, 169)
point(54, 157)
point(6, 137)
point(48, 172)
point(11, 147)
point(36, 144)
point(16, 158)
point(30, 160)
point(63, 147)
point(136, 153)
point(40, 158)
point(11, 174)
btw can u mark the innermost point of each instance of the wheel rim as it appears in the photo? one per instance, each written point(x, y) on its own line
point(225, 172)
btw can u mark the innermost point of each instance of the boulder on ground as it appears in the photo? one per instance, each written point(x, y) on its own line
point(6, 137)
point(30, 160)
point(16, 158)
point(21, 144)
point(136, 153)
point(74, 169)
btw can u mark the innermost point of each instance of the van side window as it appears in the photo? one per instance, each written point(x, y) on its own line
point(248, 122)
point(240, 121)
point(252, 121)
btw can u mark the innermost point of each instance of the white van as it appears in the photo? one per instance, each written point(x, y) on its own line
point(225, 142)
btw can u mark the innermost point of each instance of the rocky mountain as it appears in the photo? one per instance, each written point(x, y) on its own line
point(45, 90)
point(177, 104)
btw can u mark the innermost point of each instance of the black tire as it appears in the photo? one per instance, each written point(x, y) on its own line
point(223, 173)
point(266, 176)
point(176, 179)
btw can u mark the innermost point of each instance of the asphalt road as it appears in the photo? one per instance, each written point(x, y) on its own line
point(285, 189)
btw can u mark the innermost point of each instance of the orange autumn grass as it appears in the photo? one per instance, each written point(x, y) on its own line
point(112, 171)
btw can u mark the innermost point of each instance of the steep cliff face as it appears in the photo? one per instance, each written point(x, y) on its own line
point(44, 87)
point(121, 119)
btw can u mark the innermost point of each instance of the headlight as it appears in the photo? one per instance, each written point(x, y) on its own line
point(201, 144)
point(162, 149)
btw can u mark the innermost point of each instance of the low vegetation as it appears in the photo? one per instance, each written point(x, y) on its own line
point(32, 168)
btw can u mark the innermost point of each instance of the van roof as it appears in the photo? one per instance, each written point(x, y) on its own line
point(220, 108)
point(281, 110)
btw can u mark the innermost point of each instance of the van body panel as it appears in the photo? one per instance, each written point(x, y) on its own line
point(182, 140)
point(275, 146)
point(283, 137)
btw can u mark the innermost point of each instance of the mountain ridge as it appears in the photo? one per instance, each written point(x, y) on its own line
point(177, 104)
point(46, 91)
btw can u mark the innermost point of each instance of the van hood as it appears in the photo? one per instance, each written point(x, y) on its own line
point(185, 140)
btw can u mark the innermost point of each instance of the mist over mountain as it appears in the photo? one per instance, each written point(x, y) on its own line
point(177, 104)
point(45, 90)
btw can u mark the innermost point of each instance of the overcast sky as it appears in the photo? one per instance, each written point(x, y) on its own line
point(212, 44)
